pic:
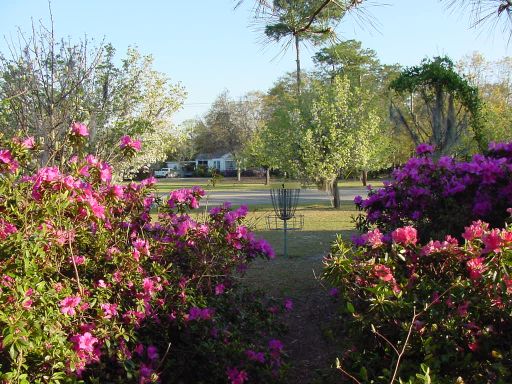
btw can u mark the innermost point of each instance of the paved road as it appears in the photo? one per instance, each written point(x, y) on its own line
point(254, 197)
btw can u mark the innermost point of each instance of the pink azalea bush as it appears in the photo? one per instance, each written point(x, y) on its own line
point(453, 297)
point(441, 196)
point(96, 285)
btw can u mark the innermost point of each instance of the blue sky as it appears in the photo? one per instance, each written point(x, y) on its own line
point(209, 47)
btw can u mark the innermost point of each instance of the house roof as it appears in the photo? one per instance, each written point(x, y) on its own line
point(211, 156)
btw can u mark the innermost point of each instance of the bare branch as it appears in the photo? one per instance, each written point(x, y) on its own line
point(402, 352)
point(374, 330)
point(342, 370)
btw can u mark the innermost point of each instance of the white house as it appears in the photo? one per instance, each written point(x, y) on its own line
point(220, 161)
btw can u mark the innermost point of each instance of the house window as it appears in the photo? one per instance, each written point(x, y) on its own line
point(203, 163)
point(216, 164)
point(230, 165)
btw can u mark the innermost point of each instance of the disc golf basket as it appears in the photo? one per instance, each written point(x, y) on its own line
point(284, 202)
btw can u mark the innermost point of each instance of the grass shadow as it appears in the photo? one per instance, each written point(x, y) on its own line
point(295, 275)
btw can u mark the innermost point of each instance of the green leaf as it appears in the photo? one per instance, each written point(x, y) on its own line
point(363, 373)
point(7, 340)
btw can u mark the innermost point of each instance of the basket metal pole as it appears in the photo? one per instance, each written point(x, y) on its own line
point(285, 238)
point(285, 215)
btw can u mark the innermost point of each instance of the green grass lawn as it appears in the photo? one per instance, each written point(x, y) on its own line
point(295, 275)
point(226, 184)
point(231, 184)
point(321, 224)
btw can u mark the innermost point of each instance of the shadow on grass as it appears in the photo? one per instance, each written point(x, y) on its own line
point(295, 275)
point(345, 205)
point(302, 243)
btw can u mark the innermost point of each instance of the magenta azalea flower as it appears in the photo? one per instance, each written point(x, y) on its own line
point(424, 149)
point(6, 229)
point(288, 304)
point(255, 356)
point(275, 345)
point(374, 238)
point(475, 230)
point(475, 267)
point(492, 241)
point(219, 289)
point(152, 352)
point(383, 272)
point(127, 142)
point(79, 129)
point(109, 310)
point(67, 305)
point(7, 158)
point(196, 313)
point(237, 377)
point(86, 342)
point(27, 143)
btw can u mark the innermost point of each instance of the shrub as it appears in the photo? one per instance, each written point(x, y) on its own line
point(443, 305)
point(441, 196)
point(94, 288)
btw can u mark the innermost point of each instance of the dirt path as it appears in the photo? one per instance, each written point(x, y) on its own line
point(308, 341)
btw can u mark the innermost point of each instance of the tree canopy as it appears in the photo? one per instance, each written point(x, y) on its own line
point(438, 105)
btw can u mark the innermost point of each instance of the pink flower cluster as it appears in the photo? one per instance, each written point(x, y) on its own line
point(87, 349)
point(255, 356)
point(196, 313)
point(109, 310)
point(405, 236)
point(464, 290)
point(6, 229)
point(384, 273)
point(185, 198)
point(450, 244)
point(79, 129)
point(68, 305)
point(7, 161)
point(236, 376)
point(127, 142)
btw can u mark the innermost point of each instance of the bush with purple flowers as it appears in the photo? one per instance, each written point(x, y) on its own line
point(95, 287)
point(441, 196)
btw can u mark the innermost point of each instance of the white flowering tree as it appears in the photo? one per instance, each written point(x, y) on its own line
point(46, 84)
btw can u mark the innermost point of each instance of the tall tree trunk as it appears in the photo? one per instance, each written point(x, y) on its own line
point(335, 193)
point(364, 177)
point(437, 119)
point(451, 135)
point(267, 176)
point(297, 52)
point(239, 169)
